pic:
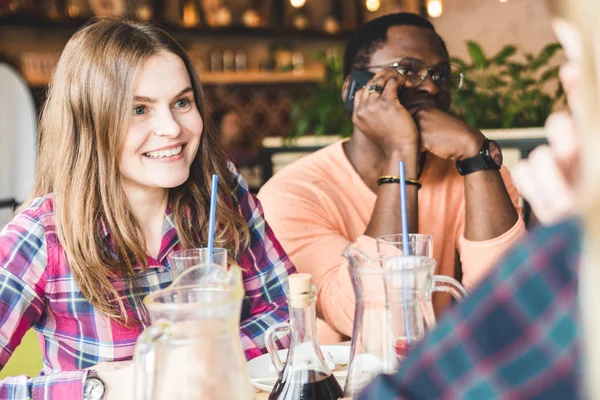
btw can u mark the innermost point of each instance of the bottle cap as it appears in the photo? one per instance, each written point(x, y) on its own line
point(300, 289)
point(300, 283)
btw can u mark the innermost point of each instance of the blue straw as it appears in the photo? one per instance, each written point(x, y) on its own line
point(405, 246)
point(212, 216)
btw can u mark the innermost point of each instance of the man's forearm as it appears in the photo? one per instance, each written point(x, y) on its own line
point(386, 218)
point(489, 210)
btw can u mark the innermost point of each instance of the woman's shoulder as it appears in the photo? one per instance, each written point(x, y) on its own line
point(239, 189)
point(25, 241)
point(37, 214)
point(40, 208)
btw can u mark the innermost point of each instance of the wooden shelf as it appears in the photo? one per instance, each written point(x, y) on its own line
point(258, 77)
point(71, 25)
point(230, 78)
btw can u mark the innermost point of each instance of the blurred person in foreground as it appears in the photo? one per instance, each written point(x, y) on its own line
point(337, 195)
point(530, 330)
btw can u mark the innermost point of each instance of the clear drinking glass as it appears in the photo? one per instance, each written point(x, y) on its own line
point(182, 260)
point(419, 244)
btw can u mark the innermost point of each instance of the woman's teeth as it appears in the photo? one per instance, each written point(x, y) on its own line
point(164, 153)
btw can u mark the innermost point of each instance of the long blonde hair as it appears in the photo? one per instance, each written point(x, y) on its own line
point(584, 14)
point(83, 123)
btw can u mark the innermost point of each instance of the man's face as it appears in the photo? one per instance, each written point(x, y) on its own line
point(421, 44)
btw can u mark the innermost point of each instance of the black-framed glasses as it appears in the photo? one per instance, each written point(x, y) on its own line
point(448, 77)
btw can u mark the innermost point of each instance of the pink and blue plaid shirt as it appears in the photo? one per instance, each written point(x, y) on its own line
point(38, 290)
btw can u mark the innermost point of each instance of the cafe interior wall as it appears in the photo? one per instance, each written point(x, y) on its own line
point(494, 24)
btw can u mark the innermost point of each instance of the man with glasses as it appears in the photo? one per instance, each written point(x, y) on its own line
point(457, 189)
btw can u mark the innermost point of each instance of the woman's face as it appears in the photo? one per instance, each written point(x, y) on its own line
point(165, 127)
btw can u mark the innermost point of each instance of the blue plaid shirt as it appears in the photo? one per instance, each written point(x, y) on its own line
point(515, 337)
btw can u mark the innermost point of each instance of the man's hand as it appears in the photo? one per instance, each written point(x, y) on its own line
point(382, 119)
point(446, 136)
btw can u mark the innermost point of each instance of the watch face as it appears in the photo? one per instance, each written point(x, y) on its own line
point(94, 389)
point(495, 153)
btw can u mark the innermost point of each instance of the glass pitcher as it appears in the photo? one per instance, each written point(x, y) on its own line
point(393, 310)
point(192, 349)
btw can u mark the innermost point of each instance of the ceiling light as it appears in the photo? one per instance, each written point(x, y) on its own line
point(434, 8)
point(373, 5)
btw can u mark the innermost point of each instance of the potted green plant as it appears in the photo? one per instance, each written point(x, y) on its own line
point(322, 113)
point(507, 91)
point(318, 119)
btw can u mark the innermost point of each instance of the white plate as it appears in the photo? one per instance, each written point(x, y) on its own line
point(264, 378)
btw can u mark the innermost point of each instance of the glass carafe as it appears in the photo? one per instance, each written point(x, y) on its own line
point(305, 374)
point(192, 349)
point(393, 310)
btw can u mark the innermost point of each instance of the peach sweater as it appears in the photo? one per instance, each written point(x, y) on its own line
point(319, 205)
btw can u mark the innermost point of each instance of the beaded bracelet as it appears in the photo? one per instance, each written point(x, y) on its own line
point(396, 179)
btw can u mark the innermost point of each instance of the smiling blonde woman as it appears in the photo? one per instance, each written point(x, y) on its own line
point(123, 179)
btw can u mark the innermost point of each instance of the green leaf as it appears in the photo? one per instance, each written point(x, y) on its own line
point(545, 55)
point(460, 63)
point(560, 92)
point(495, 82)
point(319, 130)
point(347, 128)
point(526, 83)
point(549, 75)
point(477, 55)
point(504, 54)
point(302, 126)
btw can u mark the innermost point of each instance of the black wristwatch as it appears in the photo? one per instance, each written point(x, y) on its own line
point(93, 388)
point(489, 157)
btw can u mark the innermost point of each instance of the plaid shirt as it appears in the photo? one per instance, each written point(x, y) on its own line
point(515, 337)
point(37, 289)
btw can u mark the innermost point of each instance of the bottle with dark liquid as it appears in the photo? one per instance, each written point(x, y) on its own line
point(305, 375)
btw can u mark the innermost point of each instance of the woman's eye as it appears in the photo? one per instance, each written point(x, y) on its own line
point(139, 110)
point(182, 103)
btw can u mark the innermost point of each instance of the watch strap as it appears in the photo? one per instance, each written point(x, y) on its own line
point(477, 163)
point(472, 164)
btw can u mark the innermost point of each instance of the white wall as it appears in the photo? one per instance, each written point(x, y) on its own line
point(525, 23)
